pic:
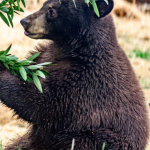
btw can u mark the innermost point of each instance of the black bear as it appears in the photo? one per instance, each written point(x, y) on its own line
point(92, 95)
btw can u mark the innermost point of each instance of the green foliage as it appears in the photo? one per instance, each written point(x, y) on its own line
point(95, 8)
point(0, 145)
point(24, 69)
point(140, 54)
point(103, 147)
point(74, 3)
point(8, 8)
point(93, 3)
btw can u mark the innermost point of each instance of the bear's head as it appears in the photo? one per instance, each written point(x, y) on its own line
point(62, 19)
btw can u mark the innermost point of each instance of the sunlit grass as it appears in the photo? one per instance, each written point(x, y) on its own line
point(0, 145)
point(145, 83)
point(137, 53)
point(72, 147)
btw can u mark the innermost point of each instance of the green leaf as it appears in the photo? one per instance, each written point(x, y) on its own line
point(4, 9)
point(23, 72)
point(10, 19)
point(40, 73)
point(0, 145)
point(13, 72)
point(16, 13)
point(7, 50)
point(28, 71)
point(3, 2)
point(33, 67)
point(16, 69)
point(37, 82)
point(95, 8)
point(87, 2)
point(12, 2)
point(18, 2)
point(10, 63)
point(106, 2)
point(44, 64)
point(3, 58)
point(46, 73)
point(34, 56)
point(17, 9)
point(11, 12)
point(12, 57)
point(23, 2)
point(1, 52)
point(74, 3)
point(6, 65)
point(29, 79)
point(24, 62)
point(103, 147)
point(4, 18)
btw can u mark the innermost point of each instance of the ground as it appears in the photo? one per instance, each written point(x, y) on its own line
point(133, 33)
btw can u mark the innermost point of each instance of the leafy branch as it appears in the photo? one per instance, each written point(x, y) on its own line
point(28, 70)
point(24, 69)
point(8, 8)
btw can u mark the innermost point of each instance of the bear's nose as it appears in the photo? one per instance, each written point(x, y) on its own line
point(24, 23)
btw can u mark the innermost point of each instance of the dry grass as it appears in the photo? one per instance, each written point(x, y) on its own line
point(133, 33)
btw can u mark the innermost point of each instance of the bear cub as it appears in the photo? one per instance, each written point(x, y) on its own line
point(92, 95)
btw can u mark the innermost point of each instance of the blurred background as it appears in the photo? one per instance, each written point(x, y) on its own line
point(132, 21)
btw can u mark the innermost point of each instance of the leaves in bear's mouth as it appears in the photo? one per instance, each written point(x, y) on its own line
point(25, 69)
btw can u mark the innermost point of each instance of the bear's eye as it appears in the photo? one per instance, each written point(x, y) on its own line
point(51, 14)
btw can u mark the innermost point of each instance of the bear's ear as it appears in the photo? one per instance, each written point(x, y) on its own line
point(104, 8)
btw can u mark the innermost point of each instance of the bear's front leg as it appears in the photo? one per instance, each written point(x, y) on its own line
point(23, 97)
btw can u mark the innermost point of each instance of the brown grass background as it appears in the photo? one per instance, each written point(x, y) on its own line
point(133, 31)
